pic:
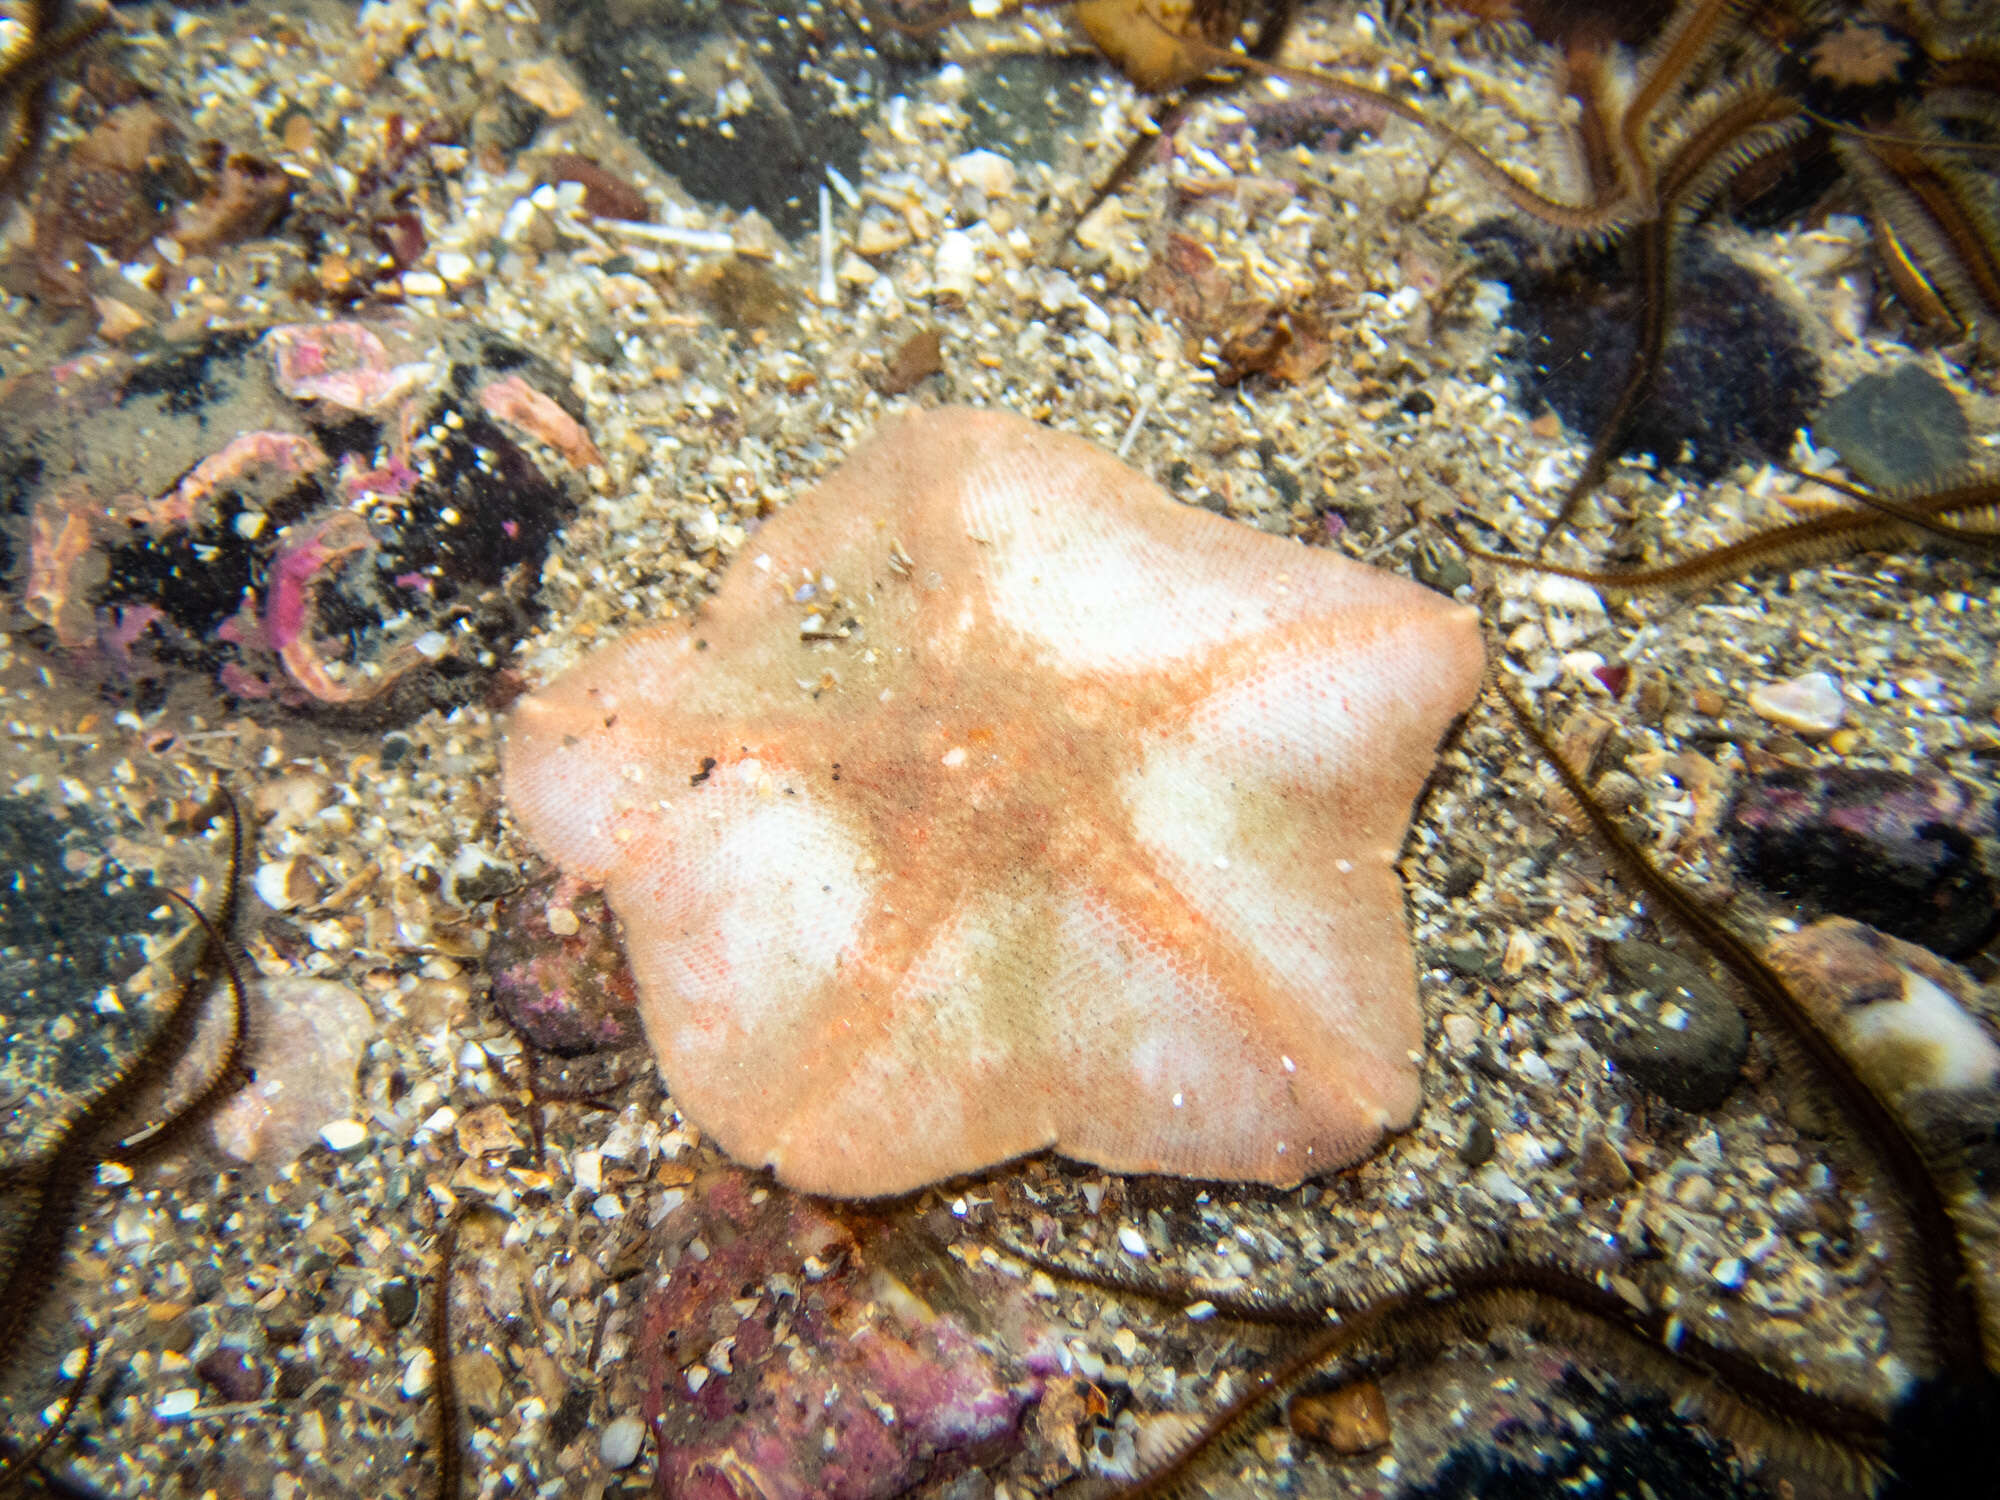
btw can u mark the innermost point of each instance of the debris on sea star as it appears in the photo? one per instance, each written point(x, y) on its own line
point(998, 802)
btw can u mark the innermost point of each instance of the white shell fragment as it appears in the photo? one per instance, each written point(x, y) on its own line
point(1811, 703)
point(419, 1373)
point(619, 1444)
point(343, 1135)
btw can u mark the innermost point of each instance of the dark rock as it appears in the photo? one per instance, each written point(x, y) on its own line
point(74, 923)
point(338, 517)
point(1693, 1062)
point(1471, 960)
point(746, 102)
point(1462, 876)
point(1606, 1443)
point(567, 993)
point(232, 1376)
point(1901, 428)
point(398, 1300)
point(1738, 379)
point(295, 1378)
point(1895, 850)
point(1476, 1150)
point(568, 1421)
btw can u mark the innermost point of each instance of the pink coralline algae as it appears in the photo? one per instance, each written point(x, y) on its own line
point(297, 573)
point(839, 1383)
point(284, 456)
point(343, 364)
point(558, 976)
point(61, 564)
point(513, 400)
point(315, 517)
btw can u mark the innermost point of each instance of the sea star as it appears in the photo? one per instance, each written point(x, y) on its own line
point(1000, 802)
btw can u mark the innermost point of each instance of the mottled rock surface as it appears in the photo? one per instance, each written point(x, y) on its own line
point(559, 975)
point(1900, 428)
point(305, 1038)
point(787, 1359)
point(343, 517)
point(1896, 850)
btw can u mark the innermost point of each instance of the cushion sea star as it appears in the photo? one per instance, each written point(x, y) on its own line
point(1000, 802)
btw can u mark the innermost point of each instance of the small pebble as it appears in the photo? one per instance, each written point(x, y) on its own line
point(1477, 1148)
point(177, 1404)
point(1353, 1419)
point(486, 1131)
point(231, 1375)
point(987, 172)
point(398, 1300)
point(618, 1445)
point(957, 258)
point(1461, 1031)
point(1808, 704)
point(1689, 1051)
point(285, 885)
point(310, 1434)
point(418, 1373)
point(1133, 1242)
point(343, 1135)
point(1600, 1170)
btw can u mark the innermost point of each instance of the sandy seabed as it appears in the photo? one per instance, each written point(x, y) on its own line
point(1761, 1233)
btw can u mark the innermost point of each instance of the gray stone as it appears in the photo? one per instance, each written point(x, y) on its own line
point(746, 103)
point(1683, 1039)
point(1901, 428)
point(1029, 107)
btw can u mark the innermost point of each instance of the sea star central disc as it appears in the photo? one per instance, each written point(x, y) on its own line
point(999, 802)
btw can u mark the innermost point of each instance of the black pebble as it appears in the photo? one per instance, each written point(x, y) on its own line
point(1694, 1066)
point(399, 1301)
